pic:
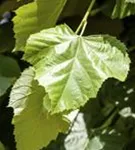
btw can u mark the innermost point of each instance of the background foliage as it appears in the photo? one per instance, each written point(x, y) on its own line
point(62, 88)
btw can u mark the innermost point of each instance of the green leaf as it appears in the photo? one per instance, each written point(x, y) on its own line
point(34, 127)
point(72, 68)
point(5, 83)
point(33, 17)
point(120, 8)
point(8, 67)
point(9, 70)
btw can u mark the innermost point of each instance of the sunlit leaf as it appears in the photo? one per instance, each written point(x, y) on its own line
point(33, 17)
point(72, 68)
point(34, 127)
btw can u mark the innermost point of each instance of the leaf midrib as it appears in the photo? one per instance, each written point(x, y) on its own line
point(70, 73)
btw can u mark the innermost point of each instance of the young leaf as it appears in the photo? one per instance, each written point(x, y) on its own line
point(72, 68)
point(120, 8)
point(33, 17)
point(34, 127)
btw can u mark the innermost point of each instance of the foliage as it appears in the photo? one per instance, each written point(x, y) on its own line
point(121, 8)
point(68, 66)
point(30, 118)
point(40, 17)
point(61, 86)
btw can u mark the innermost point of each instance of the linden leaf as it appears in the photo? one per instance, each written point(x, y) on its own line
point(34, 127)
point(72, 68)
point(33, 17)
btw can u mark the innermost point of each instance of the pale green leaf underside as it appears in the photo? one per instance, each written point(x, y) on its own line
point(72, 68)
point(121, 8)
point(82, 137)
point(34, 127)
point(33, 17)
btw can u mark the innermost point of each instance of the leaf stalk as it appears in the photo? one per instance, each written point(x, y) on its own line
point(83, 23)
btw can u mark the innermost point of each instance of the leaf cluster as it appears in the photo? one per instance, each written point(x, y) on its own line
point(64, 85)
